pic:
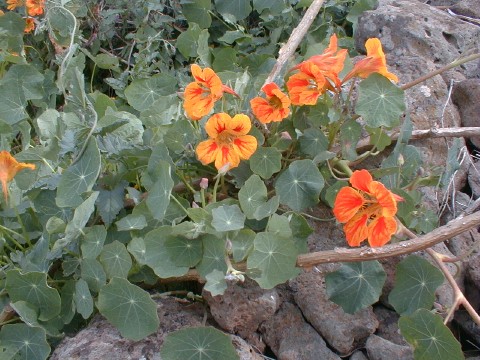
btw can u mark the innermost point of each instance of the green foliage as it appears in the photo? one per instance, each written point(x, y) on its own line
point(429, 337)
point(129, 308)
point(415, 284)
point(197, 344)
point(118, 199)
point(357, 285)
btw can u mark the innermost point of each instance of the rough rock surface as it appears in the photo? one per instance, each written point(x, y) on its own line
point(388, 325)
point(410, 28)
point(341, 330)
point(291, 338)
point(381, 349)
point(467, 8)
point(101, 340)
point(466, 95)
point(242, 308)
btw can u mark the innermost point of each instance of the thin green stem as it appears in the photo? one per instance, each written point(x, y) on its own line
point(24, 229)
point(179, 204)
point(215, 187)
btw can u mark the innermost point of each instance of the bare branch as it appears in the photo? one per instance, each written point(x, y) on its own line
point(294, 40)
point(453, 228)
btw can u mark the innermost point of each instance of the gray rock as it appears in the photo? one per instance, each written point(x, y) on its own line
point(381, 349)
point(101, 340)
point(388, 325)
point(291, 338)
point(408, 27)
point(472, 280)
point(358, 355)
point(242, 308)
point(341, 330)
point(466, 95)
point(467, 8)
point(473, 178)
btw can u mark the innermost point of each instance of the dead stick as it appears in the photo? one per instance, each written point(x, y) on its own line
point(445, 232)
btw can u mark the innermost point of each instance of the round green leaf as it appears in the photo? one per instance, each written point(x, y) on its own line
point(183, 251)
point(275, 257)
point(242, 244)
point(80, 177)
point(430, 338)
point(83, 299)
point(93, 240)
point(187, 41)
point(356, 285)
point(22, 342)
point(380, 102)
point(198, 12)
point(32, 287)
point(252, 195)
point(233, 10)
point(131, 222)
point(157, 258)
point(92, 272)
point(142, 93)
point(216, 283)
point(116, 260)
point(213, 256)
point(160, 190)
point(129, 308)
point(228, 218)
point(313, 142)
point(299, 185)
point(415, 283)
point(201, 343)
point(265, 162)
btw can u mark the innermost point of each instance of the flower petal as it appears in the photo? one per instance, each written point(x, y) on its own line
point(245, 146)
point(240, 124)
point(380, 230)
point(356, 229)
point(361, 180)
point(347, 203)
point(227, 155)
point(207, 151)
point(216, 124)
point(384, 197)
point(198, 102)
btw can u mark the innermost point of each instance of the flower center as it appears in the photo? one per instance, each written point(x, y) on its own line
point(225, 138)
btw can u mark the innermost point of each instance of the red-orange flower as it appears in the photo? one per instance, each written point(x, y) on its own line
point(13, 4)
point(201, 94)
point(274, 108)
point(375, 62)
point(35, 7)
point(330, 62)
point(229, 142)
point(29, 25)
point(305, 87)
point(368, 210)
point(9, 167)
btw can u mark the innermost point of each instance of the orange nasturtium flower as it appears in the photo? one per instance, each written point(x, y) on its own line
point(306, 86)
point(201, 94)
point(35, 7)
point(368, 210)
point(275, 107)
point(13, 4)
point(29, 25)
point(330, 62)
point(375, 62)
point(9, 167)
point(228, 143)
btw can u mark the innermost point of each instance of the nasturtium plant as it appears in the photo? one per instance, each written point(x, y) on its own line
point(144, 143)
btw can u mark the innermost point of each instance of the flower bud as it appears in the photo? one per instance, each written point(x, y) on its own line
point(204, 183)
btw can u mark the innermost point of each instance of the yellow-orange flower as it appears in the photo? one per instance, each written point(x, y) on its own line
point(306, 86)
point(368, 210)
point(13, 4)
point(201, 94)
point(375, 62)
point(35, 7)
point(229, 142)
point(9, 167)
point(330, 62)
point(275, 107)
point(29, 25)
